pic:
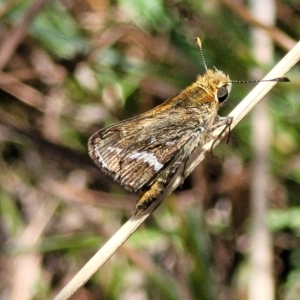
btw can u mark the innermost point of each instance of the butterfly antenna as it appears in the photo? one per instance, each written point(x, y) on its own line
point(198, 41)
point(278, 79)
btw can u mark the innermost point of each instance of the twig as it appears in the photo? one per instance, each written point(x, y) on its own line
point(134, 222)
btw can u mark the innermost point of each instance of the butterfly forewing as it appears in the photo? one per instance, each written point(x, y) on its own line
point(137, 149)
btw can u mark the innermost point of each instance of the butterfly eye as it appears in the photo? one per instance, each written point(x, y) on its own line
point(222, 94)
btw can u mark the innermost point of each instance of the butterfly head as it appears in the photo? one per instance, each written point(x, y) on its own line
point(216, 84)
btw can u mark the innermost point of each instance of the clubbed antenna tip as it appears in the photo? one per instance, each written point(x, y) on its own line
point(278, 79)
point(283, 79)
point(198, 41)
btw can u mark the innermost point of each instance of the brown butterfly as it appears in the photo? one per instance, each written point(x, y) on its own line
point(145, 152)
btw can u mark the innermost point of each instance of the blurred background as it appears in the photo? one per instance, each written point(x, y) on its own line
point(70, 68)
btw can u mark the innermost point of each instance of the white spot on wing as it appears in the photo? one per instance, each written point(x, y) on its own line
point(114, 149)
point(147, 158)
point(170, 143)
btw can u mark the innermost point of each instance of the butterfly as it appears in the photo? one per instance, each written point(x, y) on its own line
point(146, 152)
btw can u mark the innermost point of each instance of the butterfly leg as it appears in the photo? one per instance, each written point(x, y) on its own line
point(222, 121)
